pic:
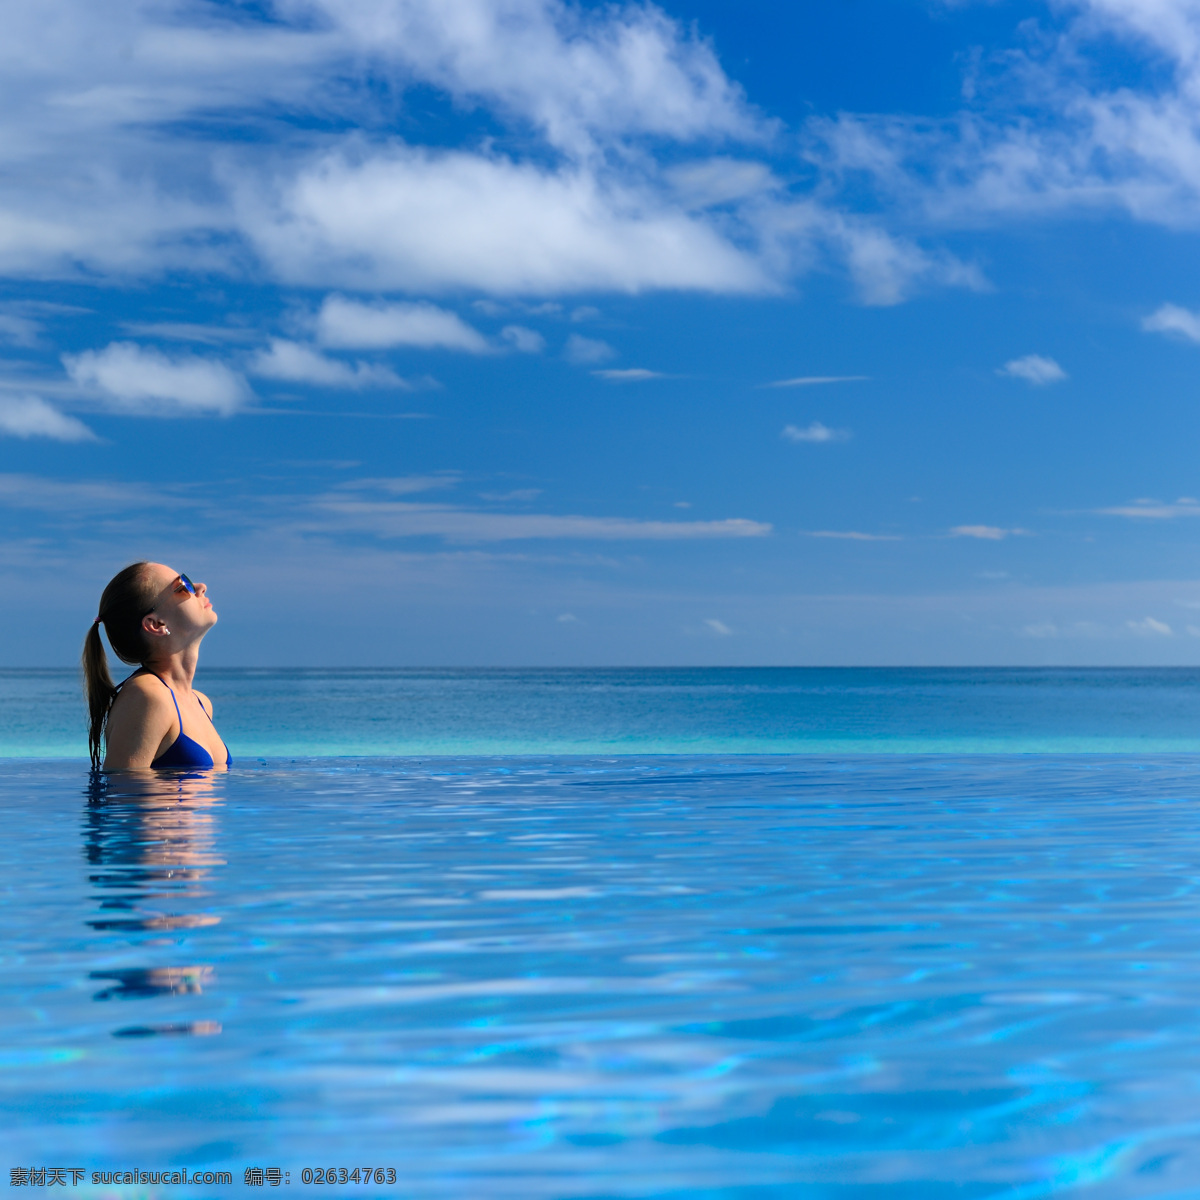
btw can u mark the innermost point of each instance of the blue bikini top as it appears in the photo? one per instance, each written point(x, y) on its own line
point(185, 752)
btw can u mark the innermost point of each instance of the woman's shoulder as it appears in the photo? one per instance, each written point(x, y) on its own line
point(142, 691)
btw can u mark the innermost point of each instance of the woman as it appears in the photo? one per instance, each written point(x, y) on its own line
point(156, 617)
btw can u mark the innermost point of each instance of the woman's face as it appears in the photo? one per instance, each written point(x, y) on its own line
point(176, 606)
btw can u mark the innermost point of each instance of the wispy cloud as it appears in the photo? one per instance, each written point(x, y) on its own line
point(298, 363)
point(816, 432)
point(987, 533)
point(1154, 510)
point(18, 330)
point(718, 627)
point(584, 350)
point(526, 341)
point(1046, 134)
point(399, 520)
point(1148, 625)
point(816, 380)
point(1172, 319)
point(190, 331)
point(1035, 369)
point(404, 485)
point(628, 374)
point(433, 220)
point(74, 497)
point(139, 380)
point(852, 535)
point(516, 496)
point(32, 417)
point(351, 325)
point(638, 165)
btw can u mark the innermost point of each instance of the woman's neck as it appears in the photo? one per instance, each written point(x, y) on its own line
point(178, 669)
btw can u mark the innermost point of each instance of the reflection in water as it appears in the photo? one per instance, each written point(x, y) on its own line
point(189, 1028)
point(140, 982)
point(150, 838)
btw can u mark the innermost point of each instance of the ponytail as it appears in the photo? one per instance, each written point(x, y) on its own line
point(123, 604)
point(98, 684)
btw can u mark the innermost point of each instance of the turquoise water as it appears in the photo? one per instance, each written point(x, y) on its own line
point(590, 934)
point(726, 711)
point(878, 978)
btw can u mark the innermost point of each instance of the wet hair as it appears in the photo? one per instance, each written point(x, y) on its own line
point(123, 604)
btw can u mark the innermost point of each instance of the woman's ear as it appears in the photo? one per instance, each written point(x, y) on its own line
point(154, 625)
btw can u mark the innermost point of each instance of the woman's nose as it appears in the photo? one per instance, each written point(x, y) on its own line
point(201, 588)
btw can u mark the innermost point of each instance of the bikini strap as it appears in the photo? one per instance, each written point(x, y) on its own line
point(178, 714)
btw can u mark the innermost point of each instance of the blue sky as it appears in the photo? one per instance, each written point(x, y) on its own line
point(517, 332)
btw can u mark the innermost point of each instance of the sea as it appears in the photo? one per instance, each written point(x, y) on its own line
point(892, 934)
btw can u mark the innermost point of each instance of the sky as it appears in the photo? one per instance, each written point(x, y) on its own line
point(519, 332)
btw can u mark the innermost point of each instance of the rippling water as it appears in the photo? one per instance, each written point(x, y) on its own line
point(873, 977)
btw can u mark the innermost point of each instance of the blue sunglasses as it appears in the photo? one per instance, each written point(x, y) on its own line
point(182, 582)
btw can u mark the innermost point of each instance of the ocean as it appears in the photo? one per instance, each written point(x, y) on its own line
point(841, 935)
point(374, 713)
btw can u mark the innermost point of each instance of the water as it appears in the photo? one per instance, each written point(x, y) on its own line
point(837, 977)
point(272, 713)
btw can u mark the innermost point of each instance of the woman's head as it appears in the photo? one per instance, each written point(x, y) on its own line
point(180, 612)
point(147, 610)
point(130, 594)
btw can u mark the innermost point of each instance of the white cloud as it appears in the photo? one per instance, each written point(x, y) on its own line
point(628, 374)
point(302, 364)
point(94, 185)
point(1170, 318)
point(517, 495)
point(1035, 369)
point(853, 535)
point(19, 331)
point(582, 76)
point(814, 380)
point(404, 485)
point(887, 269)
point(188, 331)
point(718, 627)
point(135, 379)
point(1040, 629)
point(424, 220)
point(527, 341)
point(656, 180)
point(31, 416)
point(1153, 510)
point(1048, 133)
point(583, 350)
point(399, 519)
point(706, 183)
point(816, 432)
point(348, 324)
point(72, 497)
point(1151, 626)
point(987, 533)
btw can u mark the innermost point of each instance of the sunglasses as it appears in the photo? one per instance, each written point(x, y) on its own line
point(182, 582)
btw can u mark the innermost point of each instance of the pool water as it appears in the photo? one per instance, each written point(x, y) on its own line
point(880, 977)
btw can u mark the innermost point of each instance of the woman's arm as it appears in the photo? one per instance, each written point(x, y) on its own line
point(139, 726)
